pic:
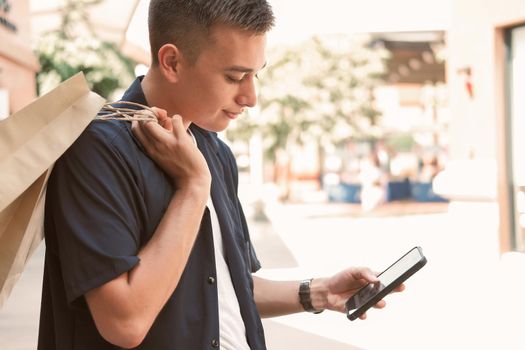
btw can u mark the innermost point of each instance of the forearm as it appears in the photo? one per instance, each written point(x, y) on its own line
point(278, 298)
point(130, 303)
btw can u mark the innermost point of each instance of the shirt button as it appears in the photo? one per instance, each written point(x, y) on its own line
point(215, 343)
point(211, 280)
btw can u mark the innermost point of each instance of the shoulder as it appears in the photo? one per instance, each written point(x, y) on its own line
point(104, 147)
point(104, 135)
point(108, 131)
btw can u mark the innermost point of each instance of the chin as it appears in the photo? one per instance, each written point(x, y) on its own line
point(213, 127)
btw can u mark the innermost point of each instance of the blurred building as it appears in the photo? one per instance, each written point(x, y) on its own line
point(46, 15)
point(414, 99)
point(18, 64)
point(484, 51)
point(486, 73)
point(411, 145)
point(21, 24)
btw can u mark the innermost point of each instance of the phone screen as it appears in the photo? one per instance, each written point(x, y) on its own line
point(386, 278)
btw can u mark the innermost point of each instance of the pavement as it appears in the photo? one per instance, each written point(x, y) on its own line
point(20, 314)
point(468, 296)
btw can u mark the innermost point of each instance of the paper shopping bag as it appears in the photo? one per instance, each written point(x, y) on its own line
point(31, 140)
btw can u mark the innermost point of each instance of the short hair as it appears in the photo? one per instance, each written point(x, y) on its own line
point(187, 23)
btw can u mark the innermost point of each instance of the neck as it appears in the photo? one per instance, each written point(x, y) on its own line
point(155, 90)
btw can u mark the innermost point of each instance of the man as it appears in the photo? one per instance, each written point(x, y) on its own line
point(147, 245)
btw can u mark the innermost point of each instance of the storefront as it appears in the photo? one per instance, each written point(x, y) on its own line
point(487, 80)
point(18, 64)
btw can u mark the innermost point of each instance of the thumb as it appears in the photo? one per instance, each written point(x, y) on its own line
point(366, 274)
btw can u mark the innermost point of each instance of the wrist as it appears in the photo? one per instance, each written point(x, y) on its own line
point(194, 184)
point(319, 293)
point(195, 190)
point(202, 183)
point(312, 295)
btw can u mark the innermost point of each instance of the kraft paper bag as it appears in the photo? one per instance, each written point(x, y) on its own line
point(31, 140)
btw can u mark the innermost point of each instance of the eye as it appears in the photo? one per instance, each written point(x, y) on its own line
point(234, 80)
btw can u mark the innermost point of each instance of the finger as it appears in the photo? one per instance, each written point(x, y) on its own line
point(366, 274)
point(363, 316)
point(137, 131)
point(162, 118)
point(380, 304)
point(154, 131)
point(400, 288)
point(160, 113)
point(134, 125)
point(178, 127)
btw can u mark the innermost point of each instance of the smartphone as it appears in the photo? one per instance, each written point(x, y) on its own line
point(389, 279)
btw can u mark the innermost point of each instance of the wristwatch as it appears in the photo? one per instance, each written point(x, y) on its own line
point(304, 296)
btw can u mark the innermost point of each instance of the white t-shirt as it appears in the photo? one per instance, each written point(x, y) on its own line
point(231, 325)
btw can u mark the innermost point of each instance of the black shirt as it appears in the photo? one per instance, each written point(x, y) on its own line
point(105, 198)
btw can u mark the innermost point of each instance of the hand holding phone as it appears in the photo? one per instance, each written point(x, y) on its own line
point(389, 279)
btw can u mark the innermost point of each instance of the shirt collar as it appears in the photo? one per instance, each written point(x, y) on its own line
point(135, 94)
point(210, 136)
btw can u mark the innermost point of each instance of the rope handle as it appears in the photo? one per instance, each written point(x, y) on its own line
point(109, 112)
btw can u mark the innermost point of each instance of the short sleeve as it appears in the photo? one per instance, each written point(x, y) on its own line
point(93, 207)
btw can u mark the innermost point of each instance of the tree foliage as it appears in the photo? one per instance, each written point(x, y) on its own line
point(74, 47)
point(318, 91)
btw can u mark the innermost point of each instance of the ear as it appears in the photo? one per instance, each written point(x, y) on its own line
point(170, 59)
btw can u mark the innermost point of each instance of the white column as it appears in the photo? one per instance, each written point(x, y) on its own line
point(256, 160)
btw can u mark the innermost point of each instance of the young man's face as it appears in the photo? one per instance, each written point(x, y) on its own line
point(220, 84)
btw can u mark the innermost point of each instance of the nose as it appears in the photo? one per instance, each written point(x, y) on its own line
point(247, 95)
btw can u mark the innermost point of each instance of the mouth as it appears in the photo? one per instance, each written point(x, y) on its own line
point(232, 115)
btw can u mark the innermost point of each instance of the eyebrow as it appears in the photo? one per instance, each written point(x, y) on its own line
point(242, 69)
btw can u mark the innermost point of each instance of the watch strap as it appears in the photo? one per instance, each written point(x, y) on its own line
point(304, 296)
